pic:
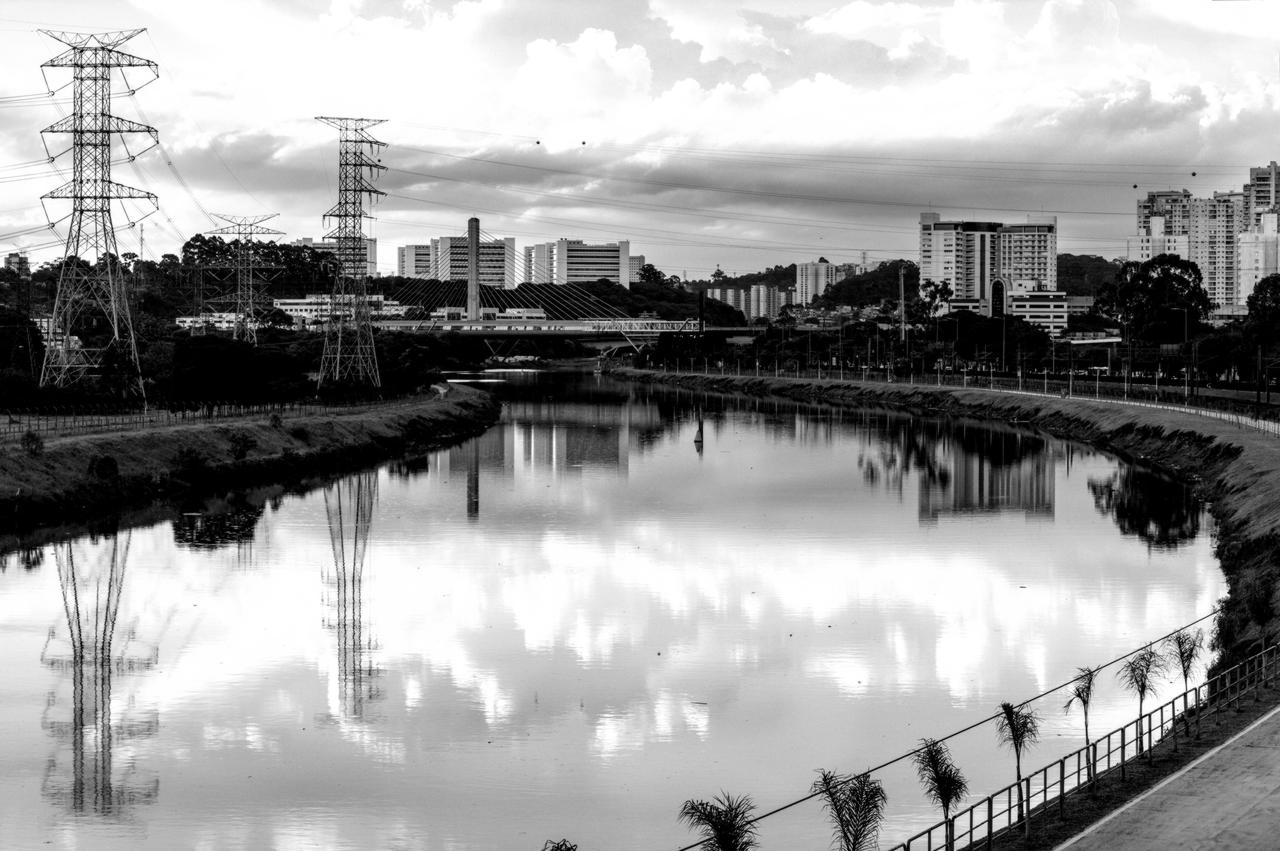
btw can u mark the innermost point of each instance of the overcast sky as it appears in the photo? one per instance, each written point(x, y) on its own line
point(742, 133)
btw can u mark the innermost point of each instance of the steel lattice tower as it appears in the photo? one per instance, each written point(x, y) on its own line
point(243, 227)
point(92, 280)
point(349, 508)
point(349, 355)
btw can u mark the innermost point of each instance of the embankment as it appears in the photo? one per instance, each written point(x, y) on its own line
point(1235, 469)
point(136, 477)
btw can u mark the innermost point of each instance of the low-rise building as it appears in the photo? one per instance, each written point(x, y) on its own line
point(318, 308)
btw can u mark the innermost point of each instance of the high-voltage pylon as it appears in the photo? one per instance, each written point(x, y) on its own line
point(349, 355)
point(349, 508)
point(244, 227)
point(92, 281)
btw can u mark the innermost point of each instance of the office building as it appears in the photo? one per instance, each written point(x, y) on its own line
point(331, 246)
point(414, 261)
point(812, 279)
point(19, 263)
point(317, 308)
point(497, 261)
point(572, 261)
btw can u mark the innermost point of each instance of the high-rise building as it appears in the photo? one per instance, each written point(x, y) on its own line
point(1029, 251)
point(497, 260)
point(812, 279)
point(1210, 225)
point(1259, 256)
point(572, 261)
point(1216, 224)
point(1261, 193)
point(637, 263)
point(413, 261)
point(1156, 241)
point(962, 254)
point(331, 246)
point(18, 263)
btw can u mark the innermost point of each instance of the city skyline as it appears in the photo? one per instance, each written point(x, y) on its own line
point(701, 144)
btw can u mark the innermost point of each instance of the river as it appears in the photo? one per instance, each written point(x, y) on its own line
point(618, 598)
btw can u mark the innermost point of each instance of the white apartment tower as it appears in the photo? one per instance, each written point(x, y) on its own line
point(572, 261)
point(1261, 193)
point(812, 279)
point(497, 261)
point(1156, 241)
point(1029, 251)
point(413, 261)
point(1259, 255)
point(963, 254)
point(1211, 227)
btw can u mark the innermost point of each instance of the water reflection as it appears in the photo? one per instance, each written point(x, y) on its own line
point(348, 508)
point(230, 522)
point(85, 772)
point(1161, 511)
point(986, 471)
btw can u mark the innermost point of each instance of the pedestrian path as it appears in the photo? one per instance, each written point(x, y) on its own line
point(1228, 798)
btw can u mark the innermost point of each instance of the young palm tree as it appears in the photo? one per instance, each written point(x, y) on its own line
point(1184, 649)
point(1018, 728)
point(562, 845)
point(1082, 693)
point(856, 806)
point(943, 783)
point(1138, 674)
point(724, 822)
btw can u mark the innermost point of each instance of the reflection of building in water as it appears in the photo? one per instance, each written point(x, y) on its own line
point(985, 471)
point(92, 768)
point(349, 507)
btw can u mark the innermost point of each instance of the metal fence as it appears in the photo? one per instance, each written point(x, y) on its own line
point(1180, 398)
point(1106, 758)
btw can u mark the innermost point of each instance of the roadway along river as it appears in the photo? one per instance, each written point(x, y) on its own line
point(616, 599)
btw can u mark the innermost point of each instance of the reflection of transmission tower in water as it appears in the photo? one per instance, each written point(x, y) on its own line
point(349, 506)
point(349, 355)
point(92, 279)
point(91, 589)
point(243, 228)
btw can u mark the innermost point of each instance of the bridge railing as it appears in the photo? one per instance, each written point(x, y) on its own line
point(1103, 760)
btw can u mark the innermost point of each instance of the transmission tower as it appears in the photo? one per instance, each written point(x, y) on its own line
point(92, 281)
point(243, 227)
point(349, 355)
point(349, 508)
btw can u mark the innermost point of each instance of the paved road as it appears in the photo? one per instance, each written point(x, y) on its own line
point(1228, 798)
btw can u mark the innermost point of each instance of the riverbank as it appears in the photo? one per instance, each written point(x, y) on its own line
point(1236, 470)
point(138, 476)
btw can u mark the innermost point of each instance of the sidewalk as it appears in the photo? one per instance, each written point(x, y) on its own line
point(1228, 798)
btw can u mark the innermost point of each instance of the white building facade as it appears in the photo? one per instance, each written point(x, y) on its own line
point(331, 246)
point(414, 261)
point(497, 260)
point(812, 279)
point(573, 261)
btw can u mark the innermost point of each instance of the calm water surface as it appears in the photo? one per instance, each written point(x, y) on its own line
point(616, 599)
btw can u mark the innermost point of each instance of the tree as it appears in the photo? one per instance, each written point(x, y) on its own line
point(1082, 693)
point(562, 845)
point(1264, 309)
point(1157, 299)
point(650, 274)
point(943, 782)
point(1138, 674)
point(725, 822)
point(1018, 728)
point(1184, 650)
point(856, 807)
point(935, 293)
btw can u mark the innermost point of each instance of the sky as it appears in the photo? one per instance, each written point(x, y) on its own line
point(737, 134)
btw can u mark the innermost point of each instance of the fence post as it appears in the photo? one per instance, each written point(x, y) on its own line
point(1123, 745)
point(1062, 788)
point(990, 819)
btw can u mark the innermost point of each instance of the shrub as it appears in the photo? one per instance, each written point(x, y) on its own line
point(276, 422)
point(190, 464)
point(241, 444)
point(300, 433)
point(32, 444)
point(104, 467)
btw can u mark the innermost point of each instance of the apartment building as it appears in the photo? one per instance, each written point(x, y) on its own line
point(812, 279)
point(573, 261)
point(414, 261)
point(497, 260)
